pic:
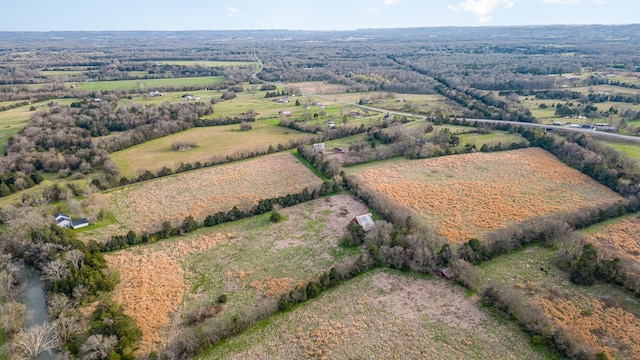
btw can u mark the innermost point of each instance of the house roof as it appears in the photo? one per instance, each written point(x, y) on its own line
point(79, 223)
point(366, 221)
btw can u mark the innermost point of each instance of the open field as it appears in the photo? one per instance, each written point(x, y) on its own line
point(464, 196)
point(620, 239)
point(629, 149)
point(212, 142)
point(601, 315)
point(148, 84)
point(320, 87)
point(251, 261)
point(145, 206)
point(383, 315)
point(494, 137)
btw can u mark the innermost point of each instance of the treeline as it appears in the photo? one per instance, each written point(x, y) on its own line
point(74, 274)
point(560, 94)
point(189, 224)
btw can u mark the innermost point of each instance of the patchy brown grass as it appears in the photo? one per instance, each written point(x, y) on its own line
point(466, 195)
point(248, 261)
point(382, 315)
point(620, 240)
point(609, 329)
point(150, 289)
point(144, 207)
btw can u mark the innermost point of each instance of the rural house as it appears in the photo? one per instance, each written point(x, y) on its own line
point(366, 221)
point(63, 220)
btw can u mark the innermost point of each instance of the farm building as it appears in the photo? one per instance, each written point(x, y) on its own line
point(366, 221)
point(338, 150)
point(63, 220)
point(80, 223)
point(318, 147)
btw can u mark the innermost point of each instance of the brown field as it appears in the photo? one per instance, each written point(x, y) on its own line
point(620, 239)
point(250, 260)
point(145, 206)
point(382, 315)
point(603, 315)
point(467, 195)
point(609, 329)
point(319, 87)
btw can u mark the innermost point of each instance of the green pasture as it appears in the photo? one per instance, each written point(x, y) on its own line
point(148, 84)
point(211, 143)
point(631, 150)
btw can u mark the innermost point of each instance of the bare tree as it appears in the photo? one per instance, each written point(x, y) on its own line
point(7, 287)
point(12, 316)
point(75, 257)
point(64, 327)
point(99, 346)
point(28, 344)
point(55, 270)
point(57, 303)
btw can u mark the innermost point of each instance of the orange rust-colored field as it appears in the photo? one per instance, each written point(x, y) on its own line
point(466, 195)
point(144, 207)
point(620, 240)
point(152, 283)
point(609, 329)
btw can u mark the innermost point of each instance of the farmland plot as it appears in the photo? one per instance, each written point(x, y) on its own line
point(467, 195)
point(250, 261)
point(144, 207)
point(620, 239)
point(382, 315)
point(603, 316)
point(212, 144)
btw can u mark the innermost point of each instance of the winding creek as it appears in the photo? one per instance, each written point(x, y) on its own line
point(33, 296)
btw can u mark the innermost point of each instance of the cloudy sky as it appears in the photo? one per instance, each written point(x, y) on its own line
point(49, 15)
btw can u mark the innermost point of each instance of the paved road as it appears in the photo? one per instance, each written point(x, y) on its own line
point(601, 134)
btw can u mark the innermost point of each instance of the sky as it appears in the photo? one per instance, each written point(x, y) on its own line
point(88, 15)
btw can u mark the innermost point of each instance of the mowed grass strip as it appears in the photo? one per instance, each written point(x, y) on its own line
point(602, 315)
point(383, 315)
point(250, 261)
point(464, 196)
point(145, 206)
point(212, 143)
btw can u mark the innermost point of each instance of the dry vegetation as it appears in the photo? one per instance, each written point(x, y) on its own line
point(144, 207)
point(602, 316)
point(249, 261)
point(466, 195)
point(382, 315)
point(620, 239)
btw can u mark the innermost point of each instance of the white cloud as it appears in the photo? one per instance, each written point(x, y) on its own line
point(374, 9)
point(481, 8)
point(391, 2)
point(231, 11)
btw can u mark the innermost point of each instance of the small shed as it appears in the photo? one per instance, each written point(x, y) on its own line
point(318, 147)
point(338, 150)
point(447, 273)
point(80, 223)
point(366, 221)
